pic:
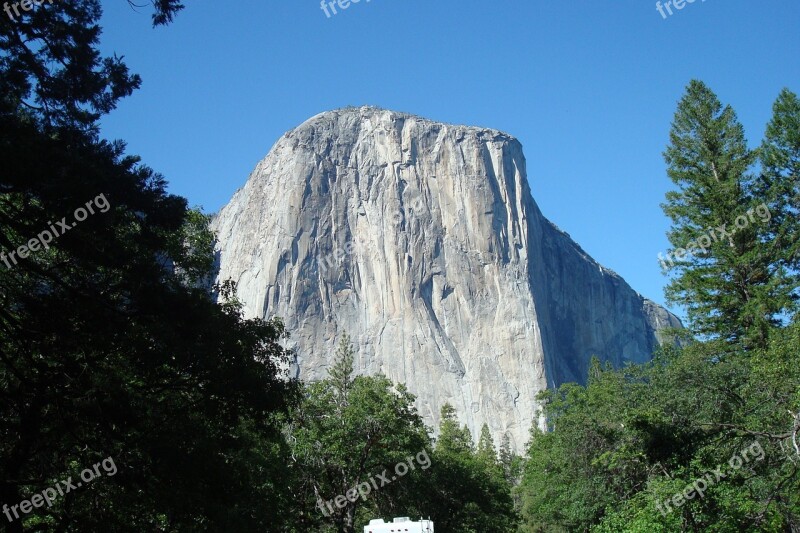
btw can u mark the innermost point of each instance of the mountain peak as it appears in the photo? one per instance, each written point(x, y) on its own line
point(354, 115)
point(421, 240)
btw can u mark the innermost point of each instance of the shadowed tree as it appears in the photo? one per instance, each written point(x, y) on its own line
point(108, 345)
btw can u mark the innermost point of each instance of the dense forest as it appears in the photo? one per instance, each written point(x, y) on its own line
point(116, 351)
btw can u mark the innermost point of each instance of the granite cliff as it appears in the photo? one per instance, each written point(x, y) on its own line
point(421, 240)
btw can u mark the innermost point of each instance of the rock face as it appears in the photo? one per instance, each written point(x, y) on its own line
point(422, 241)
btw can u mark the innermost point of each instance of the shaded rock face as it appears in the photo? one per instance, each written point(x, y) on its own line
point(422, 241)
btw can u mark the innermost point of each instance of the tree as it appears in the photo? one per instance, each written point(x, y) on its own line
point(486, 452)
point(108, 346)
point(622, 447)
point(723, 276)
point(467, 490)
point(452, 438)
point(586, 461)
point(347, 433)
point(52, 73)
point(341, 373)
point(646, 434)
point(780, 183)
point(510, 462)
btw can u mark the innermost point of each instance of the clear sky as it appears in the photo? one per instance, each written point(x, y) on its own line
point(588, 86)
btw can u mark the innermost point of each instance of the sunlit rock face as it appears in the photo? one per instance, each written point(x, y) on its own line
point(422, 241)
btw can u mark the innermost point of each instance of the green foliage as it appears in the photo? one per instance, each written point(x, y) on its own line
point(486, 452)
point(107, 353)
point(349, 430)
point(511, 463)
point(108, 347)
point(731, 282)
point(779, 183)
point(341, 373)
point(452, 438)
point(632, 439)
point(193, 250)
point(626, 452)
point(345, 431)
point(587, 450)
point(52, 73)
point(466, 488)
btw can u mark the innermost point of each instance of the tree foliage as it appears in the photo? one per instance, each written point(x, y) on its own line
point(347, 430)
point(731, 279)
point(109, 346)
point(466, 487)
point(703, 437)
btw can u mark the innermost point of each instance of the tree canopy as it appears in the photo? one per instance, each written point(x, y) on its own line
point(704, 438)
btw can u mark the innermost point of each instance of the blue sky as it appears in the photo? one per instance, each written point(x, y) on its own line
point(588, 87)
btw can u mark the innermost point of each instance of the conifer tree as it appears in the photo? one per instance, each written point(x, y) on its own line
point(452, 438)
point(341, 373)
point(109, 346)
point(486, 451)
point(722, 274)
point(780, 184)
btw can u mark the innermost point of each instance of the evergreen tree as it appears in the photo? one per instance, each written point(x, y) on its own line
point(486, 452)
point(510, 462)
point(341, 373)
point(622, 453)
point(723, 275)
point(109, 346)
point(780, 184)
point(346, 432)
point(467, 489)
point(453, 439)
point(52, 72)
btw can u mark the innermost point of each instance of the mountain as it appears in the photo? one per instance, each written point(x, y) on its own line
point(421, 240)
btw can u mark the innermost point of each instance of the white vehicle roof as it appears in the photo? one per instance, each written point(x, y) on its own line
point(402, 524)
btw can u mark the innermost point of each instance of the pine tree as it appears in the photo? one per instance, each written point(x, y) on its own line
point(341, 373)
point(452, 438)
point(510, 462)
point(722, 274)
point(780, 183)
point(468, 491)
point(486, 452)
